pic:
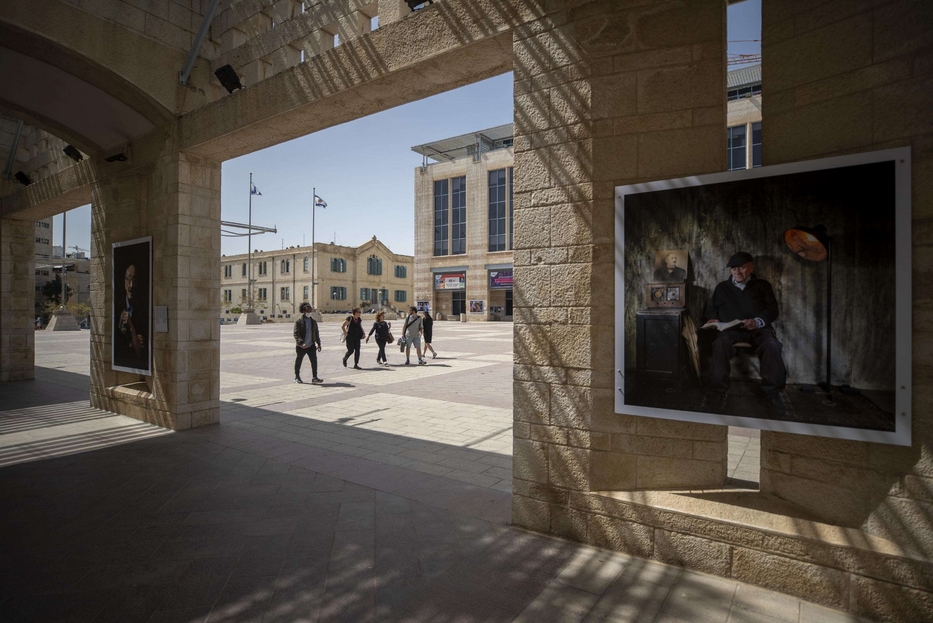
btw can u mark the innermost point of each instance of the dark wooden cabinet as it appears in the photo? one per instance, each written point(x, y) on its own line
point(660, 350)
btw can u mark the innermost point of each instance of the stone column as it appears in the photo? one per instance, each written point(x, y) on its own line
point(871, 89)
point(606, 93)
point(177, 202)
point(17, 300)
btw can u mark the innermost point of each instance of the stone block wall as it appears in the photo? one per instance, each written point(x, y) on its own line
point(871, 88)
point(17, 300)
point(177, 202)
point(606, 93)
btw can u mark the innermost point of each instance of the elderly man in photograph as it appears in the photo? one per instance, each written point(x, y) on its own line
point(670, 272)
point(751, 300)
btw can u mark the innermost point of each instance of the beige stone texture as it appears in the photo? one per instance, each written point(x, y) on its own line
point(621, 536)
point(815, 583)
point(859, 97)
point(695, 553)
point(17, 308)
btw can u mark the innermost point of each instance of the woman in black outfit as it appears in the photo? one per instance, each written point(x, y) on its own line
point(353, 330)
point(381, 327)
point(428, 323)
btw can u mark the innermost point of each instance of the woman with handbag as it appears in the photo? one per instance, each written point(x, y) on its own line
point(383, 337)
point(353, 332)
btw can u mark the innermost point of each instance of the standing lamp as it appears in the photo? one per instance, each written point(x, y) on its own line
point(814, 245)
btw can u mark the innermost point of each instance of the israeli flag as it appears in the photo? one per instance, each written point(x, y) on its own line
point(253, 190)
point(319, 203)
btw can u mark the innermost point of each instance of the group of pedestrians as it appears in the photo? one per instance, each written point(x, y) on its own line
point(308, 338)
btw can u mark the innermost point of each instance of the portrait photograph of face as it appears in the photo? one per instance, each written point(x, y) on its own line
point(670, 266)
point(132, 306)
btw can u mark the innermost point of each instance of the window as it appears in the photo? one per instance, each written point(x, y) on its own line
point(458, 301)
point(338, 265)
point(364, 294)
point(286, 267)
point(734, 94)
point(243, 294)
point(383, 296)
point(401, 272)
point(735, 146)
point(497, 208)
point(263, 294)
point(373, 265)
point(285, 294)
point(42, 240)
point(511, 196)
point(307, 264)
point(458, 215)
point(228, 271)
point(305, 298)
point(338, 293)
point(401, 296)
point(440, 217)
point(228, 296)
point(244, 269)
point(263, 268)
point(756, 144)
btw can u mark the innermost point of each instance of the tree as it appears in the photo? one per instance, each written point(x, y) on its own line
point(52, 291)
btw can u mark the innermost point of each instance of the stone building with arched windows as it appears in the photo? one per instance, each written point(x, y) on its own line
point(367, 276)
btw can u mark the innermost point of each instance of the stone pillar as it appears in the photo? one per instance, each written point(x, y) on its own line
point(605, 94)
point(871, 89)
point(177, 202)
point(17, 300)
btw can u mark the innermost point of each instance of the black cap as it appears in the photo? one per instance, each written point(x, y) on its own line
point(739, 258)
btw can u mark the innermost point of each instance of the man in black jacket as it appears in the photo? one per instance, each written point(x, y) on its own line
point(750, 300)
point(306, 336)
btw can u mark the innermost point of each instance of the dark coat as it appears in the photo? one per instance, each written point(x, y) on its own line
point(757, 300)
point(299, 332)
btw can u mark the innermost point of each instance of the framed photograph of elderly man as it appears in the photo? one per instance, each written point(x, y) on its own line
point(796, 309)
point(131, 331)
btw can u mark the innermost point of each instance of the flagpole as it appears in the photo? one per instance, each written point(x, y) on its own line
point(249, 250)
point(313, 210)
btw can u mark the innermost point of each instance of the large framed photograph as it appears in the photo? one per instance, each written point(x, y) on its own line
point(131, 333)
point(795, 312)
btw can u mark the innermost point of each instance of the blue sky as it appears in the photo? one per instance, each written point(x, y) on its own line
point(365, 169)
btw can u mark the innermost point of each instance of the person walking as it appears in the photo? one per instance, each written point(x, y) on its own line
point(428, 323)
point(306, 336)
point(353, 332)
point(381, 328)
point(414, 326)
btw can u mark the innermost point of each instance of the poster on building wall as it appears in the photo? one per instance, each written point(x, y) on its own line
point(449, 281)
point(796, 310)
point(477, 307)
point(131, 335)
point(423, 306)
point(500, 279)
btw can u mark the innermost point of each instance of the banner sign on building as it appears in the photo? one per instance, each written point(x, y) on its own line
point(786, 296)
point(477, 307)
point(423, 306)
point(500, 279)
point(449, 281)
point(131, 333)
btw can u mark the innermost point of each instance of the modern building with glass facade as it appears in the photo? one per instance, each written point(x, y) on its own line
point(463, 225)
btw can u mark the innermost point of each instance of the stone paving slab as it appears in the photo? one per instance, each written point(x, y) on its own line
point(354, 502)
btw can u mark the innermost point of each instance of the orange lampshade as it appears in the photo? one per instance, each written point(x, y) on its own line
point(810, 243)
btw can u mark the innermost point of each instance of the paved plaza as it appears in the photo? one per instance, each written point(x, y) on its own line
point(381, 495)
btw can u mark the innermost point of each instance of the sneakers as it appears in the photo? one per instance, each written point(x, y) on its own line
point(298, 380)
point(408, 362)
point(422, 362)
point(317, 380)
point(434, 356)
point(345, 357)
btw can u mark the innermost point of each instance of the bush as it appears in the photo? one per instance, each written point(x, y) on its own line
point(236, 310)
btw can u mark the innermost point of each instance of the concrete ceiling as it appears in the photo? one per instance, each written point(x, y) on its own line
point(68, 107)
